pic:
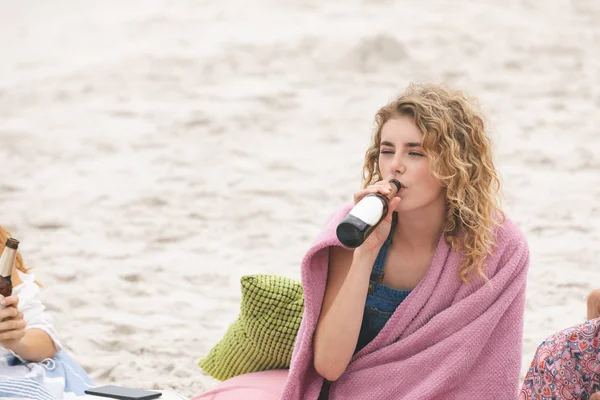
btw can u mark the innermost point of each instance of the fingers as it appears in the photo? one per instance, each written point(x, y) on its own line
point(595, 396)
point(16, 334)
point(12, 329)
point(393, 205)
point(11, 325)
point(10, 301)
point(9, 313)
point(383, 187)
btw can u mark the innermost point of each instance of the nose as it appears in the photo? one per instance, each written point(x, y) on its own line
point(398, 166)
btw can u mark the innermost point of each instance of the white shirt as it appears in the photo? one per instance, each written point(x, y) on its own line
point(34, 312)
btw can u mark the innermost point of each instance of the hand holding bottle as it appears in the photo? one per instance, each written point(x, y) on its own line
point(12, 324)
point(369, 222)
point(7, 266)
point(375, 240)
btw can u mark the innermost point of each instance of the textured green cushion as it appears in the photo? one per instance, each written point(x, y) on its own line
point(263, 336)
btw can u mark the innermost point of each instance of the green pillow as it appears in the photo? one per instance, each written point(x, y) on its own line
point(263, 336)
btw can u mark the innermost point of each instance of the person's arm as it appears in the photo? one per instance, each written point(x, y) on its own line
point(341, 315)
point(30, 344)
point(35, 346)
point(336, 334)
point(593, 305)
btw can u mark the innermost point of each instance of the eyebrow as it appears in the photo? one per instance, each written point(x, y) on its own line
point(409, 144)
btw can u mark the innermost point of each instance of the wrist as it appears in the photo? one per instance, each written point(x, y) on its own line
point(365, 254)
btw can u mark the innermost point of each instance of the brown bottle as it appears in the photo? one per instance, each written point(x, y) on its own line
point(365, 216)
point(7, 266)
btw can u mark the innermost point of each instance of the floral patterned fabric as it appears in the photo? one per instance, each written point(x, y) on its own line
point(566, 365)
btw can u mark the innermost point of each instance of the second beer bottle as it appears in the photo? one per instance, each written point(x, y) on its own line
point(7, 265)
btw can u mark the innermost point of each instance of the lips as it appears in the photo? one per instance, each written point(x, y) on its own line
point(402, 188)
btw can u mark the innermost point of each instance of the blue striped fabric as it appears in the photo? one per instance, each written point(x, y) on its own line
point(76, 379)
point(47, 380)
point(28, 388)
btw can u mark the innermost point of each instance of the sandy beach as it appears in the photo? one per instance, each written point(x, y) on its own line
point(156, 151)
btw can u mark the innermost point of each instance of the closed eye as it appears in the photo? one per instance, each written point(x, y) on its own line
point(387, 152)
point(414, 153)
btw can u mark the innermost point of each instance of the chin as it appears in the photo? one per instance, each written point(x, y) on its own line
point(401, 208)
point(406, 206)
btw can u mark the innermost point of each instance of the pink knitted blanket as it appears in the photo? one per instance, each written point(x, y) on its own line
point(447, 340)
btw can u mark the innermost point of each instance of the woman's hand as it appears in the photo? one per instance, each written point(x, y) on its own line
point(376, 239)
point(593, 305)
point(12, 324)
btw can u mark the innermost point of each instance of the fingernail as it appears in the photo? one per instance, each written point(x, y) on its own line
point(3, 302)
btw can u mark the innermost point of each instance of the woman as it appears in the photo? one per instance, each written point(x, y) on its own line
point(431, 304)
point(593, 305)
point(32, 362)
point(567, 364)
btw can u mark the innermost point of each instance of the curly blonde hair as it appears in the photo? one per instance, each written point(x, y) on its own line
point(460, 153)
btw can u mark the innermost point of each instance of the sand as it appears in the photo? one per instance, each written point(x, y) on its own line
point(154, 152)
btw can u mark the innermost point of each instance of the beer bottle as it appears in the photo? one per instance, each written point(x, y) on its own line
point(365, 216)
point(7, 265)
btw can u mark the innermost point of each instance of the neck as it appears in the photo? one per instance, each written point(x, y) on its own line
point(421, 229)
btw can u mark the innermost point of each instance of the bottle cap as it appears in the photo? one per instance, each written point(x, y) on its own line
point(12, 243)
point(397, 183)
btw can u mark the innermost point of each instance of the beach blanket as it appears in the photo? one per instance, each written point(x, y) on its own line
point(57, 378)
point(447, 340)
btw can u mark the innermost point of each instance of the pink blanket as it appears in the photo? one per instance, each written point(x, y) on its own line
point(447, 340)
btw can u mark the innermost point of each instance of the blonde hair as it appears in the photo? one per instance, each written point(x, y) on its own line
point(4, 235)
point(460, 153)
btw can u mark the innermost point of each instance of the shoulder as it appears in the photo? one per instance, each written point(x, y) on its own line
point(508, 236)
point(585, 335)
point(510, 250)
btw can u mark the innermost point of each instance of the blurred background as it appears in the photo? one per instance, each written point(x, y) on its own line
point(153, 152)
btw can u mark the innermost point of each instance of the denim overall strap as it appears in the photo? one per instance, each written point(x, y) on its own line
point(378, 268)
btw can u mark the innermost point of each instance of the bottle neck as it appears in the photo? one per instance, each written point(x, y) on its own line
point(7, 261)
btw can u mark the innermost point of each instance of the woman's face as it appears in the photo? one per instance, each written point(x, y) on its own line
point(401, 157)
